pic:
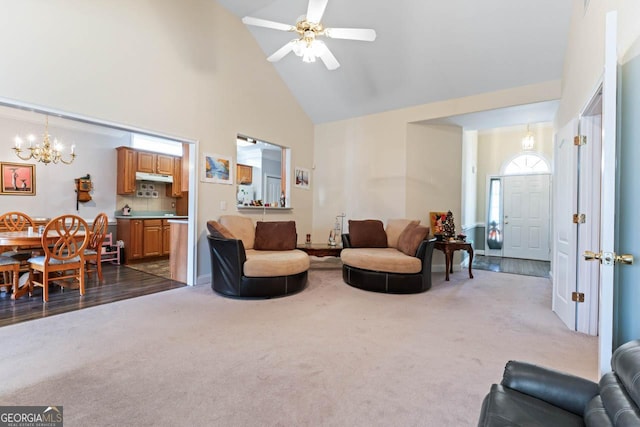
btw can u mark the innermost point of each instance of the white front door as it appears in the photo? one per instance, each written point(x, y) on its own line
point(565, 233)
point(526, 217)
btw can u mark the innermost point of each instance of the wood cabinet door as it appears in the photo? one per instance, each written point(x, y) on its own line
point(184, 179)
point(175, 188)
point(152, 238)
point(164, 164)
point(135, 240)
point(126, 171)
point(146, 162)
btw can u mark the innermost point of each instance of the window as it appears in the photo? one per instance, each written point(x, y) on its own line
point(261, 173)
point(157, 145)
point(494, 222)
point(526, 163)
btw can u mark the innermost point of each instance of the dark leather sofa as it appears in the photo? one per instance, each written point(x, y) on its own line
point(388, 282)
point(530, 395)
point(228, 258)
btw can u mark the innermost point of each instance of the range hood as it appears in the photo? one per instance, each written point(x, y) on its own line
point(156, 177)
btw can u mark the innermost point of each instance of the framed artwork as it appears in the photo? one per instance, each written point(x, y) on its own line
point(216, 169)
point(302, 178)
point(18, 179)
point(436, 220)
point(244, 174)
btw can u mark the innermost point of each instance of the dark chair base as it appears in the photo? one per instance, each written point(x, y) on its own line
point(379, 281)
point(262, 287)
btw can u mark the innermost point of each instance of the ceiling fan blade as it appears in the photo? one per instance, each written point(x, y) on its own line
point(327, 57)
point(315, 10)
point(282, 52)
point(363, 34)
point(249, 20)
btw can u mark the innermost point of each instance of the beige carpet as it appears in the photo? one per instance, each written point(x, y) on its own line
point(331, 355)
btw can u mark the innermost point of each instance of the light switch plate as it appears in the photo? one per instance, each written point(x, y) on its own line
point(223, 205)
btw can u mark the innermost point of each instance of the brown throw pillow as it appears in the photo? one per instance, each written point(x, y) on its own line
point(218, 230)
point(410, 239)
point(276, 236)
point(367, 233)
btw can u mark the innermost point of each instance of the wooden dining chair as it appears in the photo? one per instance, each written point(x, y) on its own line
point(93, 252)
point(15, 221)
point(10, 265)
point(64, 240)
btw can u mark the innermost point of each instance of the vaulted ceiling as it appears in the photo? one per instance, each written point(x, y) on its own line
point(425, 51)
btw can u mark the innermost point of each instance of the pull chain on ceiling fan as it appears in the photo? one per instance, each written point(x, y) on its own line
point(309, 28)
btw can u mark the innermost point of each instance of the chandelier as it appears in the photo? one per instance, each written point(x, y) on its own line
point(528, 140)
point(45, 153)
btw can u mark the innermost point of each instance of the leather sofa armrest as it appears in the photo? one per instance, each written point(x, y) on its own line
point(228, 254)
point(566, 391)
point(346, 240)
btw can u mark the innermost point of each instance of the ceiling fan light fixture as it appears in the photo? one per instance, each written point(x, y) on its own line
point(308, 27)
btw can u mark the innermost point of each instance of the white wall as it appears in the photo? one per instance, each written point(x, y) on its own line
point(361, 164)
point(187, 68)
point(55, 185)
point(468, 217)
point(584, 61)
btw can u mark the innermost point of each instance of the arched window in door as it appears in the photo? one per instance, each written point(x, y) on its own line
point(526, 163)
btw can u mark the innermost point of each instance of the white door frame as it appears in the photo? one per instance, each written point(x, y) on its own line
point(589, 203)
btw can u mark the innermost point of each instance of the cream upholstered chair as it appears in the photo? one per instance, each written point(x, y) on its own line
point(64, 240)
point(93, 252)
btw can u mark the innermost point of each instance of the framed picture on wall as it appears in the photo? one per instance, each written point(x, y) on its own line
point(302, 178)
point(18, 179)
point(244, 174)
point(216, 169)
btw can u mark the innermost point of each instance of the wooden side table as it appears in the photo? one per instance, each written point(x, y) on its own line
point(448, 248)
point(320, 249)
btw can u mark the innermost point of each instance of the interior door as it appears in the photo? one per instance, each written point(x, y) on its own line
point(608, 194)
point(565, 232)
point(526, 217)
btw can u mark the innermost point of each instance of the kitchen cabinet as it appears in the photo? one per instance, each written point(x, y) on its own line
point(154, 163)
point(152, 238)
point(130, 232)
point(126, 172)
point(175, 188)
point(144, 238)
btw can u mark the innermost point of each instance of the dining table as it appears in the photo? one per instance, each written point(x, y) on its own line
point(26, 239)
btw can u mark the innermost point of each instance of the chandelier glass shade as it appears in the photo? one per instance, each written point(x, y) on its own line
point(308, 47)
point(46, 152)
point(528, 140)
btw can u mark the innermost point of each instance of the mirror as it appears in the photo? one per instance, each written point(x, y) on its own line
point(259, 173)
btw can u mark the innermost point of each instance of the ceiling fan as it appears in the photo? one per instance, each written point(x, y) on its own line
point(309, 27)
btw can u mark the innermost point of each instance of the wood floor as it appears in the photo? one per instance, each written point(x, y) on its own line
point(119, 282)
point(526, 267)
